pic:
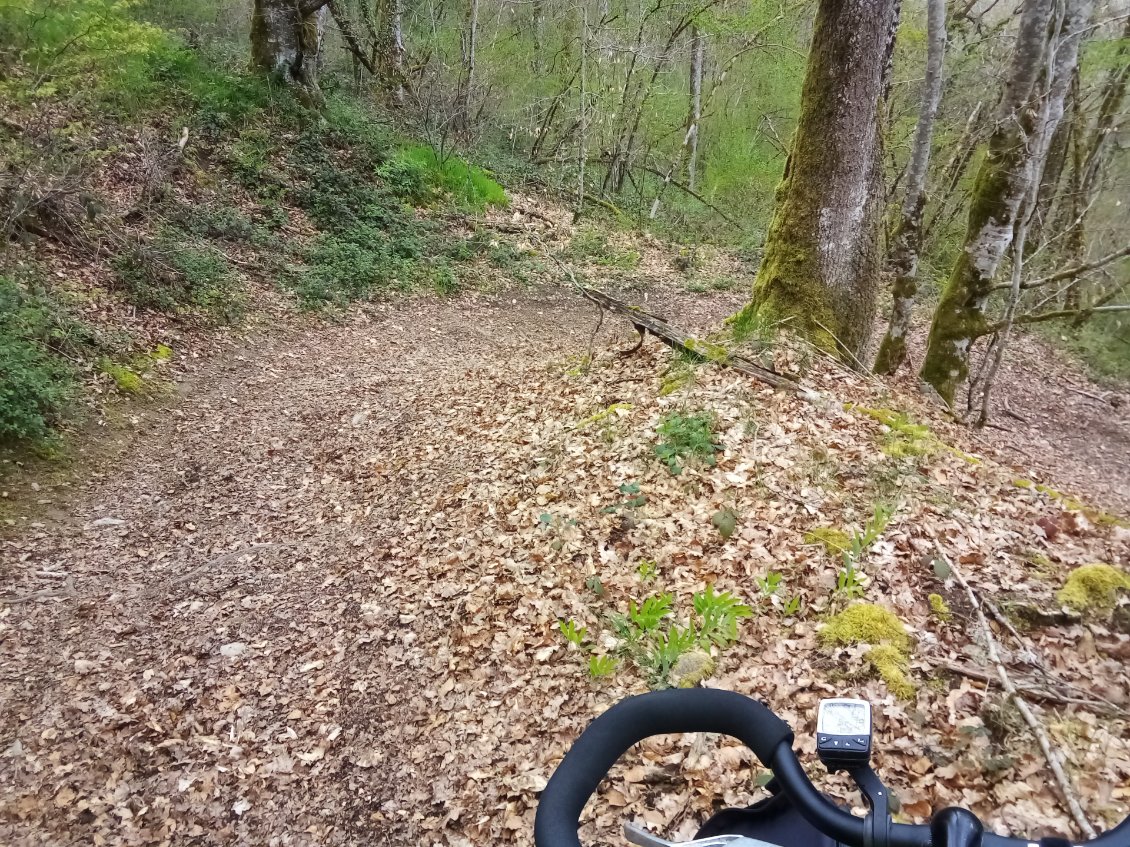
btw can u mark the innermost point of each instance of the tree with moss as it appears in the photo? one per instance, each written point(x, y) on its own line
point(286, 41)
point(287, 38)
point(820, 267)
point(1011, 171)
point(903, 257)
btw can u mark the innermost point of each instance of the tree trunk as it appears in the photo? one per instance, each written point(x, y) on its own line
point(903, 258)
point(698, 54)
point(286, 44)
point(537, 10)
point(820, 268)
point(469, 46)
point(389, 48)
point(1002, 181)
point(1063, 59)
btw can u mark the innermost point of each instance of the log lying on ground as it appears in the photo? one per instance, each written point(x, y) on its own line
point(646, 322)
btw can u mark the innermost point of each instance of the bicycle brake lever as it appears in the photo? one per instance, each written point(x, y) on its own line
point(640, 836)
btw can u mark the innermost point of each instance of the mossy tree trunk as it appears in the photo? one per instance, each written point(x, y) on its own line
point(903, 259)
point(1004, 178)
point(820, 267)
point(286, 43)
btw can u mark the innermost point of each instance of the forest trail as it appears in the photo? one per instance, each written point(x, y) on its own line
point(319, 605)
point(256, 624)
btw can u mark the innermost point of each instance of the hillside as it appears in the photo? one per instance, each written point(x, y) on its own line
point(320, 598)
point(332, 511)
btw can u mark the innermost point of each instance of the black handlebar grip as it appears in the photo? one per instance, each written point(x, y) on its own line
point(631, 721)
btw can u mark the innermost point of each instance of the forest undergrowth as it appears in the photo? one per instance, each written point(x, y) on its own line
point(343, 513)
point(371, 578)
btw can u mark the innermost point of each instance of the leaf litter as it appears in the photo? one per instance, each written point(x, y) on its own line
point(327, 607)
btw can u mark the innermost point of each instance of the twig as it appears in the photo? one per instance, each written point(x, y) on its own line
point(227, 557)
point(1030, 688)
point(64, 593)
point(1080, 391)
point(1021, 705)
point(595, 331)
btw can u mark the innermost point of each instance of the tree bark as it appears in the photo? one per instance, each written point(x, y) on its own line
point(1062, 65)
point(469, 47)
point(698, 55)
point(389, 48)
point(286, 42)
point(903, 258)
point(1003, 180)
point(820, 269)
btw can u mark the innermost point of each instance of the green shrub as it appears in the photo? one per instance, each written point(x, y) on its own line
point(468, 185)
point(36, 382)
point(77, 48)
point(172, 275)
point(224, 223)
point(686, 436)
point(590, 243)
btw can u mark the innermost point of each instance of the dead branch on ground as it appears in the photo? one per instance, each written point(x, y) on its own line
point(1021, 704)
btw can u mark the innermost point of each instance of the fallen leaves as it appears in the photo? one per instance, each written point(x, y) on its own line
point(345, 626)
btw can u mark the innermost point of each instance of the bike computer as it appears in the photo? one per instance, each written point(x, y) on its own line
point(843, 733)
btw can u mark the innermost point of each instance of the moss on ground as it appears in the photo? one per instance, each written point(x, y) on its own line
point(892, 666)
point(1093, 589)
point(835, 541)
point(866, 623)
point(940, 608)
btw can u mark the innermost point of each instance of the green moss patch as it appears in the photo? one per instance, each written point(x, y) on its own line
point(892, 666)
point(940, 608)
point(1093, 589)
point(835, 541)
point(866, 623)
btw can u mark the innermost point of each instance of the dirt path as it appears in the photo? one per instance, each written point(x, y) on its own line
point(304, 612)
point(255, 640)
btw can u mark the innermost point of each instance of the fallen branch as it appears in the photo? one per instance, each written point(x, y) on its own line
point(1032, 688)
point(646, 322)
point(64, 593)
point(1099, 397)
point(1021, 705)
point(226, 557)
point(679, 340)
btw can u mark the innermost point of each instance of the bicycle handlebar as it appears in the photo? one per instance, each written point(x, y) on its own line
point(728, 713)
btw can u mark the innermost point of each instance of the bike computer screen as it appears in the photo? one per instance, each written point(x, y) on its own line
point(843, 732)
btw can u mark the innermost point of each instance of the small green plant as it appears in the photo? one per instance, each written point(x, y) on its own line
point(940, 608)
point(38, 341)
point(792, 606)
point(635, 498)
point(590, 243)
point(647, 570)
point(720, 614)
point(686, 436)
point(664, 650)
point(849, 582)
point(769, 584)
point(650, 612)
point(656, 642)
point(725, 521)
point(573, 634)
point(594, 585)
point(602, 666)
